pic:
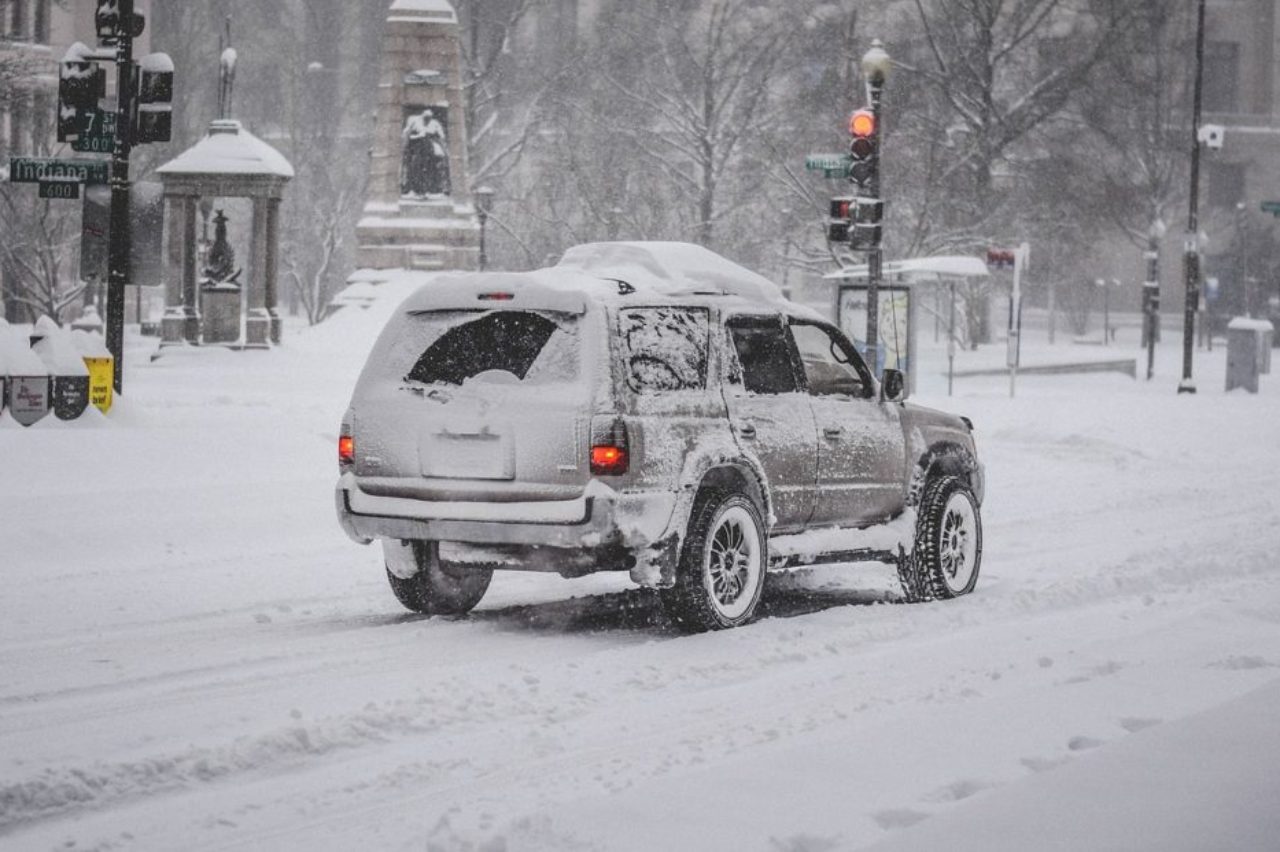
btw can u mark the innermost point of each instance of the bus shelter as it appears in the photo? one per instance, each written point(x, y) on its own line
point(904, 298)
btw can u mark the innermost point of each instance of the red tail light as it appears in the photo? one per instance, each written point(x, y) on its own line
point(610, 455)
point(346, 450)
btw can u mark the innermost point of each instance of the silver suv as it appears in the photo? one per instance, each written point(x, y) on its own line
point(651, 408)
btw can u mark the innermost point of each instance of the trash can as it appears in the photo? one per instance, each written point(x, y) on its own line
point(101, 367)
point(1246, 353)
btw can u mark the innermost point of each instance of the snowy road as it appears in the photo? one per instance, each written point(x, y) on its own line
point(193, 656)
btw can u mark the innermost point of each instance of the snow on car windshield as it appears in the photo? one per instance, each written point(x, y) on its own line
point(666, 348)
point(532, 347)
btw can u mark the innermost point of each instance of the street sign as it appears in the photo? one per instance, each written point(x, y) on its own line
point(99, 134)
point(1272, 207)
point(831, 165)
point(65, 189)
point(40, 169)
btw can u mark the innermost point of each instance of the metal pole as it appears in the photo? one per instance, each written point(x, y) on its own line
point(1191, 261)
point(875, 258)
point(1151, 299)
point(118, 273)
point(1106, 315)
point(484, 260)
point(951, 342)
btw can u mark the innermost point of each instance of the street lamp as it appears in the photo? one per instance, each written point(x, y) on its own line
point(1151, 293)
point(1191, 260)
point(484, 205)
point(875, 68)
point(1106, 307)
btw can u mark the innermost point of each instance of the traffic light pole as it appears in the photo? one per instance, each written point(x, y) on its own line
point(875, 257)
point(1191, 262)
point(118, 273)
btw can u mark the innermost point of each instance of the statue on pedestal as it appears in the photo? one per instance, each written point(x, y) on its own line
point(425, 169)
point(220, 267)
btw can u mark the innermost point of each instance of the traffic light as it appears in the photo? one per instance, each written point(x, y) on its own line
point(840, 223)
point(155, 99)
point(868, 218)
point(80, 86)
point(107, 23)
point(862, 150)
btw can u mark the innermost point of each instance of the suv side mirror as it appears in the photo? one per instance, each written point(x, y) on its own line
point(893, 386)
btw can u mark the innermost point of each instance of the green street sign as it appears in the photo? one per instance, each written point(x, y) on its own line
point(64, 189)
point(831, 165)
point(41, 169)
point(1272, 207)
point(99, 134)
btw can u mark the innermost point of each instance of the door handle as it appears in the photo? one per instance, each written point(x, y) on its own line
point(747, 430)
point(833, 432)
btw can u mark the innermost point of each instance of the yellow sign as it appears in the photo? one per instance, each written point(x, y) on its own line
point(101, 376)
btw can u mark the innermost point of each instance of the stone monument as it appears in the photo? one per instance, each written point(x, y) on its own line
point(419, 213)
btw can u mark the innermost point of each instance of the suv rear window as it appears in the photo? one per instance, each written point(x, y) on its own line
point(665, 348)
point(529, 346)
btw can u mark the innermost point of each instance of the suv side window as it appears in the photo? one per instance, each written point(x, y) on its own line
point(666, 348)
point(831, 366)
point(764, 350)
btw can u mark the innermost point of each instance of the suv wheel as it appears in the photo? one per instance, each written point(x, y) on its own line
point(948, 543)
point(722, 565)
point(438, 588)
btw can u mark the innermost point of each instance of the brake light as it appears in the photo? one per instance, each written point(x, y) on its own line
point(496, 297)
point(346, 450)
point(610, 455)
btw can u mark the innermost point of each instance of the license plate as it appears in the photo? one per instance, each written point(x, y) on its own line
point(452, 455)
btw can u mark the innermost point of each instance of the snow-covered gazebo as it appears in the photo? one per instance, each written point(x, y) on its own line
point(229, 162)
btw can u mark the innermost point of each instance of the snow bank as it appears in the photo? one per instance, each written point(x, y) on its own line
point(57, 349)
point(16, 357)
point(1246, 324)
point(89, 344)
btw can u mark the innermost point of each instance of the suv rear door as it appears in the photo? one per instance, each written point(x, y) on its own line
point(770, 413)
point(861, 451)
point(485, 404)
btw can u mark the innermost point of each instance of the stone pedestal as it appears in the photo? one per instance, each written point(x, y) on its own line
point(408, 222)
point(220, 304)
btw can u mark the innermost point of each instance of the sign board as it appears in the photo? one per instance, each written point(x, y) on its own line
point(40, 169)
point(895, 344)
point(64, 189)
point(831, 165)
point(99, 134)
point(1272, 207)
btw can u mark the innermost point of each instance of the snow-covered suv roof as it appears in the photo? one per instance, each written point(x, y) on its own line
point(610, 273)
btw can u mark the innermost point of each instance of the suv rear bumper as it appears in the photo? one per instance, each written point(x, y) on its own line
point(589, 522)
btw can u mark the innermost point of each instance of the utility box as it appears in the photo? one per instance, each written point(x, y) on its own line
point(1248, 349)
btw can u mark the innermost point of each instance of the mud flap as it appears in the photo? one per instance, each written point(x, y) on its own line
point(656, 566)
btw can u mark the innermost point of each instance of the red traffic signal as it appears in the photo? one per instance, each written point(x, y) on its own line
point(862, 124)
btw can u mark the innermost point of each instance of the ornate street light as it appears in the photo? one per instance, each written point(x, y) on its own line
point(875, 68)
point(484, 206)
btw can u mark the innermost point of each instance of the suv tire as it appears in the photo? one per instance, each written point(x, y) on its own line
point(948, 543)
point(439, 588)
point(720, 577)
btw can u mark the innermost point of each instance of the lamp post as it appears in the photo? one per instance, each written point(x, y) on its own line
point(484, 205)
point(1151, 294)
point(1191, 260)
point(875, 68)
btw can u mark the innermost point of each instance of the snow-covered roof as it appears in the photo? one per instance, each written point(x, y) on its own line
point(229, 149)
point(670, 268)
point(441, 10)
point(960, 266)
point(597, 272)
point(1246, 324)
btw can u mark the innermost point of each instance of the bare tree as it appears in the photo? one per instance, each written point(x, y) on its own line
point(38, 245)
point(707, 102)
